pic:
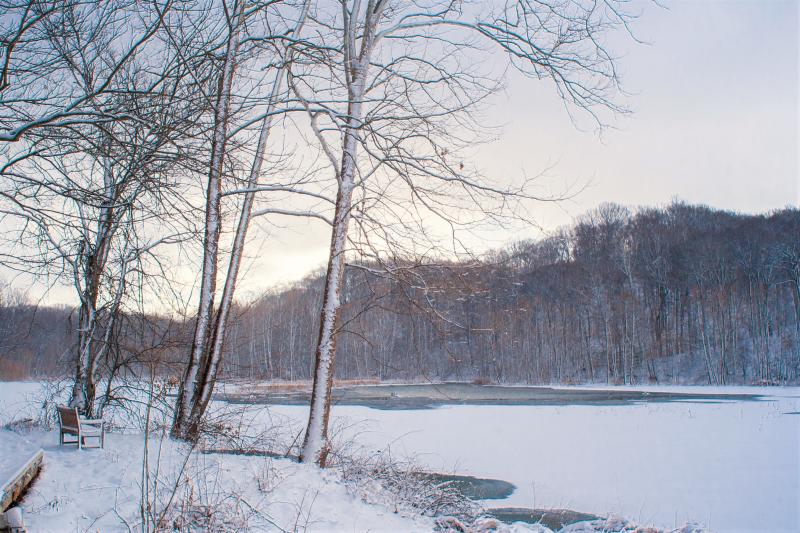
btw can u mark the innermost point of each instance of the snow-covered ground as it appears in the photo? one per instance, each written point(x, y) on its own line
point(100, 490)
point(734, 466)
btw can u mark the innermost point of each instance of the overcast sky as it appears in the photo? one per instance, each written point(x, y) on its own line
point(715, 101)
point(714, 96)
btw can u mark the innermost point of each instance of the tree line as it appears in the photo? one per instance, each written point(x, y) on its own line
point(681, 294)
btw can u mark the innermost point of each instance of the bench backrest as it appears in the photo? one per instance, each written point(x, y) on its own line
point(68, 416)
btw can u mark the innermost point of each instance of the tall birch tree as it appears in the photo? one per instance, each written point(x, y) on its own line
point(406, 86)
point(211, 323)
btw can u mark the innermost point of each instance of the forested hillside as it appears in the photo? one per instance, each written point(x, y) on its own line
point(675, 294)
point(679, 294)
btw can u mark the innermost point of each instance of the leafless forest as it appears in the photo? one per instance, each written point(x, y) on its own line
point(681, 294)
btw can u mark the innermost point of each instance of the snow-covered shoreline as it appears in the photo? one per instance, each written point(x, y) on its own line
point(100, 490)
point(731, 465)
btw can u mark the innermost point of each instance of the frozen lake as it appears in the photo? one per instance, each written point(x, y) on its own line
point(733, 465)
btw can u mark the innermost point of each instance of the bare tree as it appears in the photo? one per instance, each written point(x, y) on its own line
point(209, 334)
point(84, 195)
point(212, 226)
point(403, 91)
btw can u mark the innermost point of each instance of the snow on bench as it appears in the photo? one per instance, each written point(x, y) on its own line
point(20, 461)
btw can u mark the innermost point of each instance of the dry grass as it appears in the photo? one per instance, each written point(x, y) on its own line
point(286, 386)
point(403, 485)
point(289, 387)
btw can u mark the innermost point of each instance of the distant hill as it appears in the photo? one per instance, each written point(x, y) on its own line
point(684, 294)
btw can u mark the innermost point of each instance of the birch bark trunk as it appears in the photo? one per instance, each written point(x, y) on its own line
point(184, 425)
point(209, 355)
point(213, 358)
point(315, 444)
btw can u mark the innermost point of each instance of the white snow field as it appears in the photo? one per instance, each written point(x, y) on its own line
point(732, 466)
point(100, 490)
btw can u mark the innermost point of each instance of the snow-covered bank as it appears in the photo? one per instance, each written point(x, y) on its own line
point(100, 490)
point(732, 465)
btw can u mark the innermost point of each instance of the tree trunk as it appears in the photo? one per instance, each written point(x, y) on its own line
point(210, 340)
point(94, 259)
point(315, 444)
point(185, 422)
point(211, 360)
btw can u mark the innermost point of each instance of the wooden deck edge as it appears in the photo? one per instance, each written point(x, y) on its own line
point(19, 481)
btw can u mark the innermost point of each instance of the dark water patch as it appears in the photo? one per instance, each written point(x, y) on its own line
point(554, 519)
point(473, 488)
point(300, 399)
point(792, 413)
point(427, 396)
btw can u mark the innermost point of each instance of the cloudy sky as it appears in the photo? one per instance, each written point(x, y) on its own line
point(714, 95)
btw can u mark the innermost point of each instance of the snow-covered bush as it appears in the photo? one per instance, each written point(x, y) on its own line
point(402, 485)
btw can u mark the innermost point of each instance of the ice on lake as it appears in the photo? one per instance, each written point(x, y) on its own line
point(731, 465)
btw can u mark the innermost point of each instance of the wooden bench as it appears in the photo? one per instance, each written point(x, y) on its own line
point(71, 423)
